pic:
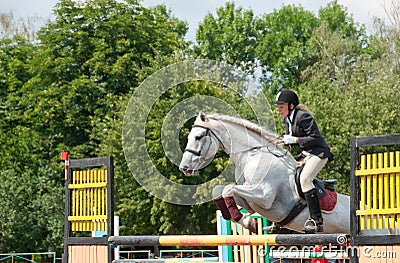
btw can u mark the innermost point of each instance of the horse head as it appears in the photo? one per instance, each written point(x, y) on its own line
point(234, 135)
point(201, 147)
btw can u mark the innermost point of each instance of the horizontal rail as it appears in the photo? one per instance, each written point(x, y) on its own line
point(87, 185)
point(100, 218)
point(229, 240)
point(192, 260)
point(378, 140)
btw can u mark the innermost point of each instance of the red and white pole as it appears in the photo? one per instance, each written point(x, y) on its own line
point(64, 157)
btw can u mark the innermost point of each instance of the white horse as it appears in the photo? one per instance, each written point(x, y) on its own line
point(264, 171)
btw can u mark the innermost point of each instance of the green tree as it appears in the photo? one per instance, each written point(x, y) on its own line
point(59, 94)
point(231, 36)
point(31, 194)
point(29, 184)
point(340, 21)
point(283, 49)
point(91, 52)
point(15, 55)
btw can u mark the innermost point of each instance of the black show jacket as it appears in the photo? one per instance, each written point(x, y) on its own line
point(310, 139)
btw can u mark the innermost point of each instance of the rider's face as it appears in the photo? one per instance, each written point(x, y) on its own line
point(283, 109)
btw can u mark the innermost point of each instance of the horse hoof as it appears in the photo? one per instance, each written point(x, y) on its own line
point(253, 226)
point(272, 229)
point(249, 223)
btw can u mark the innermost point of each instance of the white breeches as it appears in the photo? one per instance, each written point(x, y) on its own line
point(313, 165)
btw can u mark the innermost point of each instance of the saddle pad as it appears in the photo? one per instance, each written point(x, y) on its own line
point(328, 201)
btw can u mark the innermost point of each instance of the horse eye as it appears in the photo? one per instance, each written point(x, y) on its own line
point(197, 138)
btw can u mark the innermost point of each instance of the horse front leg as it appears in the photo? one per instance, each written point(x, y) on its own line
point(230, 210)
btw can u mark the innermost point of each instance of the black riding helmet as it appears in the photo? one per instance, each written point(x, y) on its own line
point(288, 96)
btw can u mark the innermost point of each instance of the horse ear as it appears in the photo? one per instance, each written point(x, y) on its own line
point(202, 116)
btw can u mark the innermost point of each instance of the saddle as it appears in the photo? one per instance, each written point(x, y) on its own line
point(325, 189)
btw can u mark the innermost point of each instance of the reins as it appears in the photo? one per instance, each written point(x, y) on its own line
point(277, 141)
point(266, 146)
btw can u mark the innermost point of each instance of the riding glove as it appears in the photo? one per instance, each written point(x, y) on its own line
point(289, 139)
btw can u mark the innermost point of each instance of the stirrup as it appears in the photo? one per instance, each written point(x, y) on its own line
point(311, 227)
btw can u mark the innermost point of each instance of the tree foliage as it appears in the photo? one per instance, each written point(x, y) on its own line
point(60, 94)
point(231, 36)
point(283, 49)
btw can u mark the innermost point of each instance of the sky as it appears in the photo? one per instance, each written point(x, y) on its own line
point(193, 11)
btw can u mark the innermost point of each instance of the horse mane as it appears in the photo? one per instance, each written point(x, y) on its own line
point(262, 132)
point(270, 136)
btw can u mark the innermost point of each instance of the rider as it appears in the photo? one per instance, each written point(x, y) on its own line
point(302, 129)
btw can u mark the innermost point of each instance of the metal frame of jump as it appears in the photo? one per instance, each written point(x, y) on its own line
point(89, 207)
point(361, 217)
point(374, 185)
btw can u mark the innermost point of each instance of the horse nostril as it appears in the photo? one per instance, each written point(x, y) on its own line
point(183, 168)
point(186, 171)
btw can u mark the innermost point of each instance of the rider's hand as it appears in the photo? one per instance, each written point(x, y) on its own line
point(289, 139)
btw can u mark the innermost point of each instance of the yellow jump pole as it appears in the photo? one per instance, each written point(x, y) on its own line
point(228, 240)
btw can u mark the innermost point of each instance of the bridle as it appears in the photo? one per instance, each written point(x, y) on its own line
point(208, 132)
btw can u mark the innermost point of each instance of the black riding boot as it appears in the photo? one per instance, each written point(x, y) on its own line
point(315, 221)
